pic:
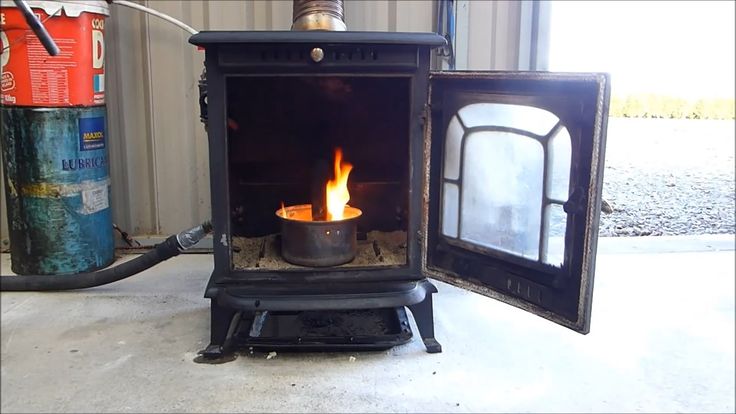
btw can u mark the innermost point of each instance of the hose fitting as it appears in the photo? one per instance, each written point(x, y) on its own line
point(188, 238)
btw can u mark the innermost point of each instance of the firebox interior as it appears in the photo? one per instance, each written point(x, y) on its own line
point(283, 129)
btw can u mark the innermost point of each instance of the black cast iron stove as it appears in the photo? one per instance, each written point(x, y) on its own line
point(490, 181)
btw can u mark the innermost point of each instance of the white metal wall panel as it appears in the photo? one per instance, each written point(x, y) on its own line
point(491, 34)
point(158, 148)
point(128, 122)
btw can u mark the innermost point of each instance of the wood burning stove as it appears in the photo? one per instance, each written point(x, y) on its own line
point(490, 181)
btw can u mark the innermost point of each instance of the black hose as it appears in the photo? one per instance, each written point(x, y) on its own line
point(165, 250)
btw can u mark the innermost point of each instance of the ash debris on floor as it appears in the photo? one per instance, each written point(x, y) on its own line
point(378, 249)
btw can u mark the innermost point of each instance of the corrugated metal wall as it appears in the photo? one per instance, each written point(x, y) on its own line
point(498, 35)
point(158, 148)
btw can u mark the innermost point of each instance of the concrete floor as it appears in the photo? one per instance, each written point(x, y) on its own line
point(662, 340)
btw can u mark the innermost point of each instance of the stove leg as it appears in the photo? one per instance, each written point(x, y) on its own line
point(222, 323)
point(422, 312)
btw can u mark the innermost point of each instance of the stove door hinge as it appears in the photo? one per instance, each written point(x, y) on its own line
point(433, 108)
point(202, 85)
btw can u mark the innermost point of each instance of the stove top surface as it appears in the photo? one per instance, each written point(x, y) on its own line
point(206, 38)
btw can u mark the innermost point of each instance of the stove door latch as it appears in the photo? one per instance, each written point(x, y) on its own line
point(577, 202)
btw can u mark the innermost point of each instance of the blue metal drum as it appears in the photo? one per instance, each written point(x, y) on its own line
point(57, 186)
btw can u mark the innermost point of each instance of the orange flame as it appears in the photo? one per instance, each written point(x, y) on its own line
point(337, 188)
point(283, 210)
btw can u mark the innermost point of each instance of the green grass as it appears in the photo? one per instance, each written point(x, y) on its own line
point(659, 106)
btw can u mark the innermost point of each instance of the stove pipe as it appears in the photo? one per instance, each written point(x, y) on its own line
point(318, 15)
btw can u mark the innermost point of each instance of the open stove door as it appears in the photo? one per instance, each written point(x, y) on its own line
point(514, 162)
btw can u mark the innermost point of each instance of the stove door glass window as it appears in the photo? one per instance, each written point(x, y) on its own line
point(513, 191)
point(506, 167)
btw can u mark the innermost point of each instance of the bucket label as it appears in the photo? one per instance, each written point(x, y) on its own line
point(5, 44)
point(30, 77)
point(95, 199)
point(8, 82)
point(91, 133)
point(98, 83)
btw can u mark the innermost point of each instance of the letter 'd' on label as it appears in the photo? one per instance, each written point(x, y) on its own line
point(98, 49)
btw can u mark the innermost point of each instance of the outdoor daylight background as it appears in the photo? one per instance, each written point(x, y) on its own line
point(670, 150)
point(668, 49)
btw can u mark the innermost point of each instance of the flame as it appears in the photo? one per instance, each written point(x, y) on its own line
point(283, 210)
point(337, 188)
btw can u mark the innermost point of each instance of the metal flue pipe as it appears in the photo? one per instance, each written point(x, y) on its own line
point(318, 15)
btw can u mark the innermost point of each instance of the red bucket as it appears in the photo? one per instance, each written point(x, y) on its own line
point(76, 76)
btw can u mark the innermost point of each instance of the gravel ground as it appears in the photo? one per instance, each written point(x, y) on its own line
point(669, 177)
